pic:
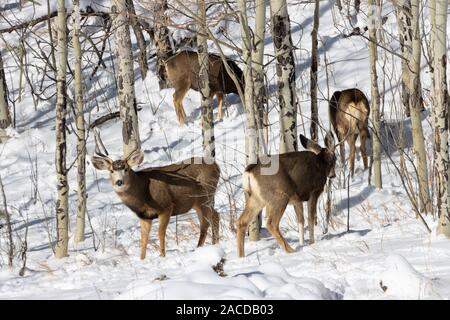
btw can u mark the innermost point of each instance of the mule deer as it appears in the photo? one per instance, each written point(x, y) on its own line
point(349, 113)
point(163, 192)
point(301, 177)
point(183, 73)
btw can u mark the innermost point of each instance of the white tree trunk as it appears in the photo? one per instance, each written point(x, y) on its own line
point(251, 145)
point(62, 185)
point(432, 8)
point(260, 96)
point(207, 110)
point(80, 125)
point(313, 76)
point(375, 105)
point(408, 16)
point(285, 69)
point(125, 77)
point(5, 117)
point(163, 47)
point(414, 88)
point(439, 44)
point(137, 29)
point(251, 130)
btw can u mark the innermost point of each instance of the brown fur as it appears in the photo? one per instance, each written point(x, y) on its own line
point(349, 112)
point(183, 73)
point(169, 191)
point(301, 177)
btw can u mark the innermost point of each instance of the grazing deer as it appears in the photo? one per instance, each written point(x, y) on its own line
point(349, 113)
point(301, 176)
point(183, 71)
point(164, 192)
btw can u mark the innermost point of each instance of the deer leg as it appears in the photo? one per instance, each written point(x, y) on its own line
point(363, 137)
point(146, 225)
point(178, 97)
point(208, 217)
point(298, 207)
point(163, 219)
point(251, 210)
point(312, 207)
point(215, 221)
point(204, 225)
point(351, 141)
point(341, 148)
point(275, 212)
point(219, 96)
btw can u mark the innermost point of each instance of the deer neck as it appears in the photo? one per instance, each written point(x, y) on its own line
point(324, 162)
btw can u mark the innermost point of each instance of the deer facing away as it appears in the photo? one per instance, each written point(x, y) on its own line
point(183, 71)
point(164, 192)
point(349, 113)
point(301, 177)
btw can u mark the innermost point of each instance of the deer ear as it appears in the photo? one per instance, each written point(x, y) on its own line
point(329, 141)
point(101, 163)
point(310, 145)
point(135, 158)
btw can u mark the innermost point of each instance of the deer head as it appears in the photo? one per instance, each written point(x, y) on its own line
point(327, 153)
point(120, 170)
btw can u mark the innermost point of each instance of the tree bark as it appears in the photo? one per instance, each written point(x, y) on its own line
point(251, 129)
point(405, 28)
point(375, 105)
point(80, 125)
point(408, 12)
point(207, 110)
point(137, 29)
point(260, 95)
point(8, 224)
point(163, 47)
point(404, 65)
point(439, 10)
point(62, 185)
point(413, 55)
point(125, 77)
point(313, 76)
point(5, 116)
point(285, 69)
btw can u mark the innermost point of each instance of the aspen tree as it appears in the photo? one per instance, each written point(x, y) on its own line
point(125, 77)
point(62, 184)
point(80, 126)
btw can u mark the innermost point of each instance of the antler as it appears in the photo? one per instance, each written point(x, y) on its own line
point(99, 146)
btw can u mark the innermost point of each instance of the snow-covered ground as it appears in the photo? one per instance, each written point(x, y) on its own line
point(387, 254)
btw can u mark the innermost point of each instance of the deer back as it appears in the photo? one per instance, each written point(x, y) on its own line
point(300, 174)
point(184, 185)
point(349, 111)
point(184, 66)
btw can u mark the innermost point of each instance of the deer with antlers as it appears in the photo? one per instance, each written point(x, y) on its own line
point(301, 176)
point(349, 115)
point(163, 192)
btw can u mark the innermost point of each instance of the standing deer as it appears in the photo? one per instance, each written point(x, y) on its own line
point(163, 192)
point(349, 113)
point(301, 177)
point(183, 71)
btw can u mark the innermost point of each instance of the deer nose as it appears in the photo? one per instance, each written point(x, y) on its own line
point(119, 182)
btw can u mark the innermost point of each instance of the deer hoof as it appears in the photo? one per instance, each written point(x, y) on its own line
point(289, 249)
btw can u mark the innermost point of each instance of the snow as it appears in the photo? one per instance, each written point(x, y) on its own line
point(387, 254)
point(269, 281)
point(402, 280)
